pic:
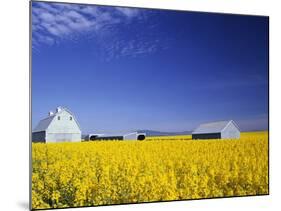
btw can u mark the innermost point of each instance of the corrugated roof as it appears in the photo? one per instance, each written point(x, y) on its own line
point(114, 134)
point(44, 124)
point(211, 127)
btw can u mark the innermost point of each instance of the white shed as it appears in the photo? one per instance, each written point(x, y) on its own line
point(108, 136)
point(134, 136)
point(217, 130)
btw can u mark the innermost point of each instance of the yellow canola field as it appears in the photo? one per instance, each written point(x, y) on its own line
point(158, 169)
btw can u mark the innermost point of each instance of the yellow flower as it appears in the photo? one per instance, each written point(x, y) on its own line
point(161, 168)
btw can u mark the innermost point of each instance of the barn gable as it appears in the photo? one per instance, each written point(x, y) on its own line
point(62, 122)
point(231, 130)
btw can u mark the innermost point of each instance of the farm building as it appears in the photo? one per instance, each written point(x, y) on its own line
point(134, 136)
point(60, 126)
point(128, 136)
point(217, 130)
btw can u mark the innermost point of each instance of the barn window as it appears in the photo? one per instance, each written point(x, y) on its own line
point(70, 117)
point(58, 117)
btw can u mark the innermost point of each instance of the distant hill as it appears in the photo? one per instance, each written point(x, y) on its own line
point(160, 133)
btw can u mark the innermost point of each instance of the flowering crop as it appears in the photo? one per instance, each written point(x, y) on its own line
point(157, 169)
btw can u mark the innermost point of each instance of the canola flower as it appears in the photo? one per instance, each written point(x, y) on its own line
point(158, 169)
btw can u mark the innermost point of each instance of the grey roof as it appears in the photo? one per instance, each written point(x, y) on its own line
point(212, 127)
point(43, 124)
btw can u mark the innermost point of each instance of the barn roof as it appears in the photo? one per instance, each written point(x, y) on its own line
point(213, 127)
point(44, 123)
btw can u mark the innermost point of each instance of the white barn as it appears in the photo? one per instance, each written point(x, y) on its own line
point(217, 130)
point(60, 126)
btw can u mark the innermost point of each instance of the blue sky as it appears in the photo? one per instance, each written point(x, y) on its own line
point(123, 69)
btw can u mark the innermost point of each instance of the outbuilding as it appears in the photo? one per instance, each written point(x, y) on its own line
point(59, 126)
point(134, 136)
point(217, 130)
point(127, 136)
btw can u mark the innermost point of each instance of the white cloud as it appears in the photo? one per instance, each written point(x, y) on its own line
point(48, 7)
point(60, 20)
point(47, 17)
point(90, 10)
point(56, 16)
point(129, 12)
point(54, 22)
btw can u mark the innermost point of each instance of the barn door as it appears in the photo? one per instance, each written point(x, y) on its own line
point(64, 137)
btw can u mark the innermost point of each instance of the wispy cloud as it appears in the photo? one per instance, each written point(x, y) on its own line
point(55, 22)
point(129, 12)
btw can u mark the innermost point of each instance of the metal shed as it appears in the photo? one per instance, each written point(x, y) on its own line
point(127, 136)
point(60, 126)
point(217, 130)
point(134, 136)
